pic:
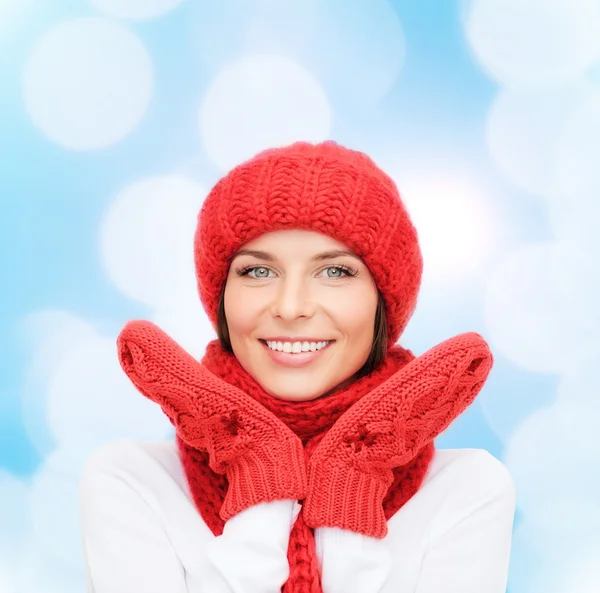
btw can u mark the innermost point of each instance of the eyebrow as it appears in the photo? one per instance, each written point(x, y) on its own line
point(264, 255)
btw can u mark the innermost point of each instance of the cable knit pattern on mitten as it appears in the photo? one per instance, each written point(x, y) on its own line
point(350, 471)
point(261, 457)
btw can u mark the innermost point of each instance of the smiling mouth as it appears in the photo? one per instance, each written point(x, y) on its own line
point(301, 351)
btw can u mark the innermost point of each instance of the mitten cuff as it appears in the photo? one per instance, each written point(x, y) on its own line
point(263, 474)
point(342, 496)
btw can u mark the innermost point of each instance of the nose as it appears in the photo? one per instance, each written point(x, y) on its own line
point(293, 300)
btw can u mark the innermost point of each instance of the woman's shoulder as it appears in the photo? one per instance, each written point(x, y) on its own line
point(125, 452)
point(123, 448)
point(140, 528)
point(460, 481)
point(471, 467)
point(141, 465)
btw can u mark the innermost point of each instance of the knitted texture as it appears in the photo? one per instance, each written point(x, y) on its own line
point(351, 469)
point(311, 421)
point(261, 457)
point(324, 188)
point(379, 428)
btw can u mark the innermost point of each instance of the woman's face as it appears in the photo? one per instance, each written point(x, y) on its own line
point(289, 292)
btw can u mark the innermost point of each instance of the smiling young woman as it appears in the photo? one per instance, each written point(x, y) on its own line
point(304, 454)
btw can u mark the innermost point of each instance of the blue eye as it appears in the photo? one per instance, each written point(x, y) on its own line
point(348, 272)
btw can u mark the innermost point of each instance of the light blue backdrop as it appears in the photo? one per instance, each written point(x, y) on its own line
point(117, 116)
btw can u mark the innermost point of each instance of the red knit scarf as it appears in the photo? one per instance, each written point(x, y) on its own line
point(310, 420)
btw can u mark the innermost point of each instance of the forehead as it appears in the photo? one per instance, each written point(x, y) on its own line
point(267, 256)
point(295, 244)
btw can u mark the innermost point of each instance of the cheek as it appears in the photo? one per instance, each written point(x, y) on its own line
point(241, 313)
point(354, 316)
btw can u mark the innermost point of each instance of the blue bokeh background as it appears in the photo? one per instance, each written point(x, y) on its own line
point(116, 118)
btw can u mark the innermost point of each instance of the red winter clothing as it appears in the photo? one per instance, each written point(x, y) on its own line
point(379, 429)
point(355, 456)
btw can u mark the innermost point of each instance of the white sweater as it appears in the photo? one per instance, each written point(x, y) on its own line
point(142, 533)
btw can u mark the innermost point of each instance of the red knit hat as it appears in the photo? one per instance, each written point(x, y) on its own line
point(324, 188)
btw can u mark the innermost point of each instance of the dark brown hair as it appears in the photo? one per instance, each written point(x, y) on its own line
point(378, 348)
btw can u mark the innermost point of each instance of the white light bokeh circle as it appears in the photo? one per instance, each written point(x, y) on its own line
point(369, 53)
point(87, 83)
point(14, 519)
point(221, 32)
point(42, 572)
point(54, 516)
point(584, 576)
point(576, 515)
point(545, 558)
point(92, 402)
point(136, 9)
point(523, 132)
point(7, 582)
point(508, 399)
point(575, 221)
point(576, 214)
point(579, 147)
point(147, 239)
point(454, 226)
point(542, 307)
point(13, 15)
point(552, 451)
point(48, 334)
point(528, 43)
point(261, 102)
point(581, 382)
point(77, 396)
point(188, 324)
point(357, 49)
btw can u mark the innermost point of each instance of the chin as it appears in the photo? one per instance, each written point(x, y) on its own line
point(303, 396)
point(292, 395)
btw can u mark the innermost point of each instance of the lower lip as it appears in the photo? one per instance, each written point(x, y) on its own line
point(295, 360)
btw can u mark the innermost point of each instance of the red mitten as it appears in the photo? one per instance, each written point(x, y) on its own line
point(350, 471)
point(261, 457)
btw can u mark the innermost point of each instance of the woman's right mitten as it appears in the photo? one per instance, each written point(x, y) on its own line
point(261, 456)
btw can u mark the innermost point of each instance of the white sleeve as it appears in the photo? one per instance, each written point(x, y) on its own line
point(473, 554)
point(251, 553)
point(460, 530)
point(125, 547)
point(351, 562)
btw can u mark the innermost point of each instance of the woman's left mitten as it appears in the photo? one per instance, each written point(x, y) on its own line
point(351, 469)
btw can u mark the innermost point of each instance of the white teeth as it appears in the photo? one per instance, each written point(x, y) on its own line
point(295, 347)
